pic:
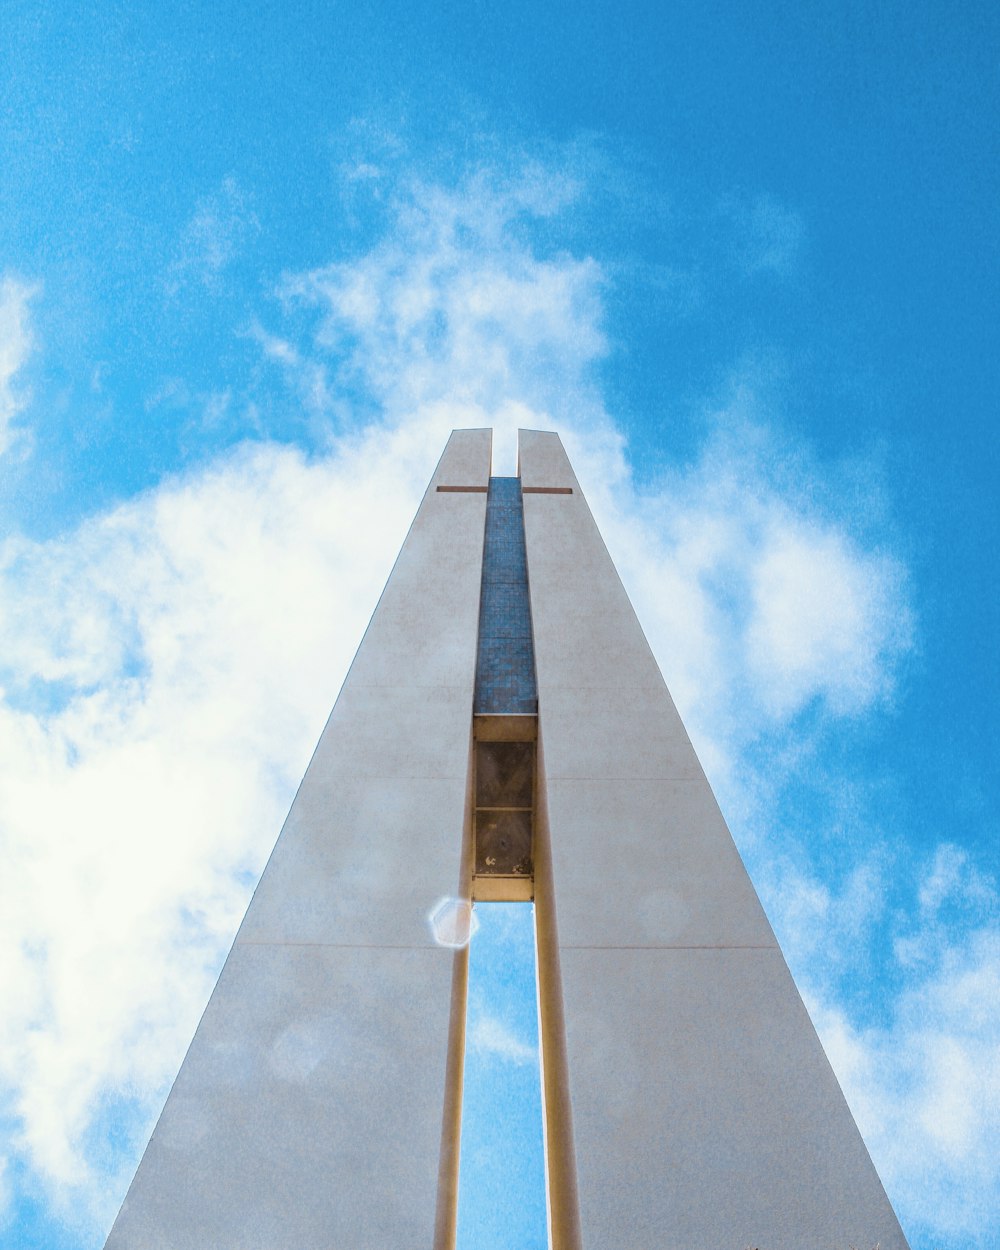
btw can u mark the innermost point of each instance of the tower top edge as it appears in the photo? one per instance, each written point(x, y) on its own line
point(542, 462)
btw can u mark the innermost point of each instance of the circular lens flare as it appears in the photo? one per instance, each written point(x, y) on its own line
point(453, 922)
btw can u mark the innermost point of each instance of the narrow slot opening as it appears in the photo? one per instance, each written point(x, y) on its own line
point(501, 1191)
point(502, 820)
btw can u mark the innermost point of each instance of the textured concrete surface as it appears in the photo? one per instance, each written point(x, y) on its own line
point(308, 1112)
point(704, 1113)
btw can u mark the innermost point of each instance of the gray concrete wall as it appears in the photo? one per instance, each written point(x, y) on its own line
point(308, 1112)
point(703, 1111)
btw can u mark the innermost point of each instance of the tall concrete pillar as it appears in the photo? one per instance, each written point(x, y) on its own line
point(309, 1111)
point(689, 1103)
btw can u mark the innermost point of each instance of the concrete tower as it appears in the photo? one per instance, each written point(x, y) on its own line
point(504, 733)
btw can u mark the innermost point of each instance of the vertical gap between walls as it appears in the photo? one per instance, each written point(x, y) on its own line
point(501, 1188)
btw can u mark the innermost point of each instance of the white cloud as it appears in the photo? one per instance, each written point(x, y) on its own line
point(167, 670)
point(825, 616)
point(923, 1075)
point(925, 1088)
point(16, 343)
point(491, 1036)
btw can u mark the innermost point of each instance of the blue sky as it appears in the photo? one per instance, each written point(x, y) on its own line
point(254, 265)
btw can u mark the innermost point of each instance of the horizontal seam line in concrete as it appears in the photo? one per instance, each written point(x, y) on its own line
point(597, 777)
point(654, 681)
point(451, 693)
point(348, 946)
point(599, 781)
point(359, 775)
point(702, 946)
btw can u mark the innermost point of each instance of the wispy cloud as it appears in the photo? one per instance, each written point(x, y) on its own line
point(454, 312)
point(221, 226)
point(769, 237)
point(491, 1036)
point(925, 1088)
point(16, 344)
